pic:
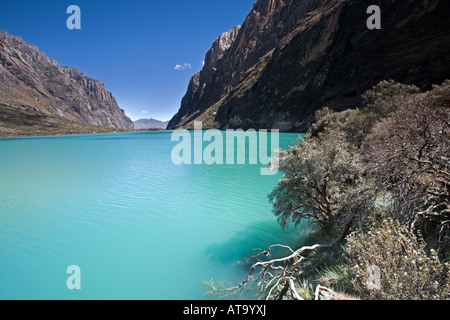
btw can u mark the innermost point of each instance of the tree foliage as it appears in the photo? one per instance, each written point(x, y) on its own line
point(324, 179)
point(408, 155)
point(387, 163)
point(316, 173)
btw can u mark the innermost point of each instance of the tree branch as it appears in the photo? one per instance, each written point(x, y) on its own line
point(294, 292)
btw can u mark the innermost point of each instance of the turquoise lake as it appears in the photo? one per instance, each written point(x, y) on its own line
point(137, 225)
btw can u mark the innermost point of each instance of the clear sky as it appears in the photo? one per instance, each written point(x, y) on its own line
point(145, 51)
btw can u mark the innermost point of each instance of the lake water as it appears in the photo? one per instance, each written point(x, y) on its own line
point(137, 225)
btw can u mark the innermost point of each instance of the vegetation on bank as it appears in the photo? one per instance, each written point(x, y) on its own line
point(15, 122)
point(19, 122)
point(375, 182)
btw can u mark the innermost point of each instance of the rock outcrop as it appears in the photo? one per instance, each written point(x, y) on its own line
point(200, 87)
point(292, 57)
point(30, 80)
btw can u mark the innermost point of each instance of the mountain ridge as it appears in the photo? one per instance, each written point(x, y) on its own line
point(150, 123)
point(30, 80)
point(291, 58)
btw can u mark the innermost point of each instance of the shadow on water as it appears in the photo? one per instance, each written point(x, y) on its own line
point(236, 253)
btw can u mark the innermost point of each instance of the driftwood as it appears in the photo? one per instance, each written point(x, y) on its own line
point(294, 292)
point(274, 272)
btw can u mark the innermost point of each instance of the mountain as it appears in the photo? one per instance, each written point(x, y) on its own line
point(150, 124)
point(290, 58)
point(36, 86)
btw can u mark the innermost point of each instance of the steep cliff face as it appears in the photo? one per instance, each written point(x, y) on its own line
point(292, 57)
point(30, 80)
point(198, 83)
point(265, 26)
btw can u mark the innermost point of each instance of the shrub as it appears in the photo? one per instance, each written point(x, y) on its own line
point(354, 167)
point(407, 155)
point(386, 97)
point(323, 179)
point(317, 172)
point(406, 271)
point(336, 277)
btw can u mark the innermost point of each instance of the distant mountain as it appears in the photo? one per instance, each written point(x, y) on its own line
point(33, 84)
point(150, 124)
point(291, 57)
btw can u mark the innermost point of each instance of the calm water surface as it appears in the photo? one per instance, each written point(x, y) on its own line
point(138, 226)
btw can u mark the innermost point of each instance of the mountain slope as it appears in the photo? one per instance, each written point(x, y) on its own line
point(150, 124)
point(29, 80)
point(15, 122)
point(292, 57)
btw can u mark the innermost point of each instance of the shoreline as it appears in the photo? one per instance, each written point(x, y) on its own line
point(16, 122)
point(37, 135)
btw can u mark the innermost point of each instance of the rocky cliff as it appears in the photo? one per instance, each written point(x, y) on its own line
point(200, 84)
point(292, 57)
point(32, 82)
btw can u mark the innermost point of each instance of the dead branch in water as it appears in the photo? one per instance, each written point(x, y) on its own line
point(275, 272)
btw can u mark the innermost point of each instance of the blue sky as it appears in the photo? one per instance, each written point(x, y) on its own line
point(134, 46)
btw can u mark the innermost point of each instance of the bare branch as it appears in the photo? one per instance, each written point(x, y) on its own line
point(294, 292)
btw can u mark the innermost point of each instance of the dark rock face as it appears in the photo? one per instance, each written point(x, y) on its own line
point(31, 80)
point(292, 57)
